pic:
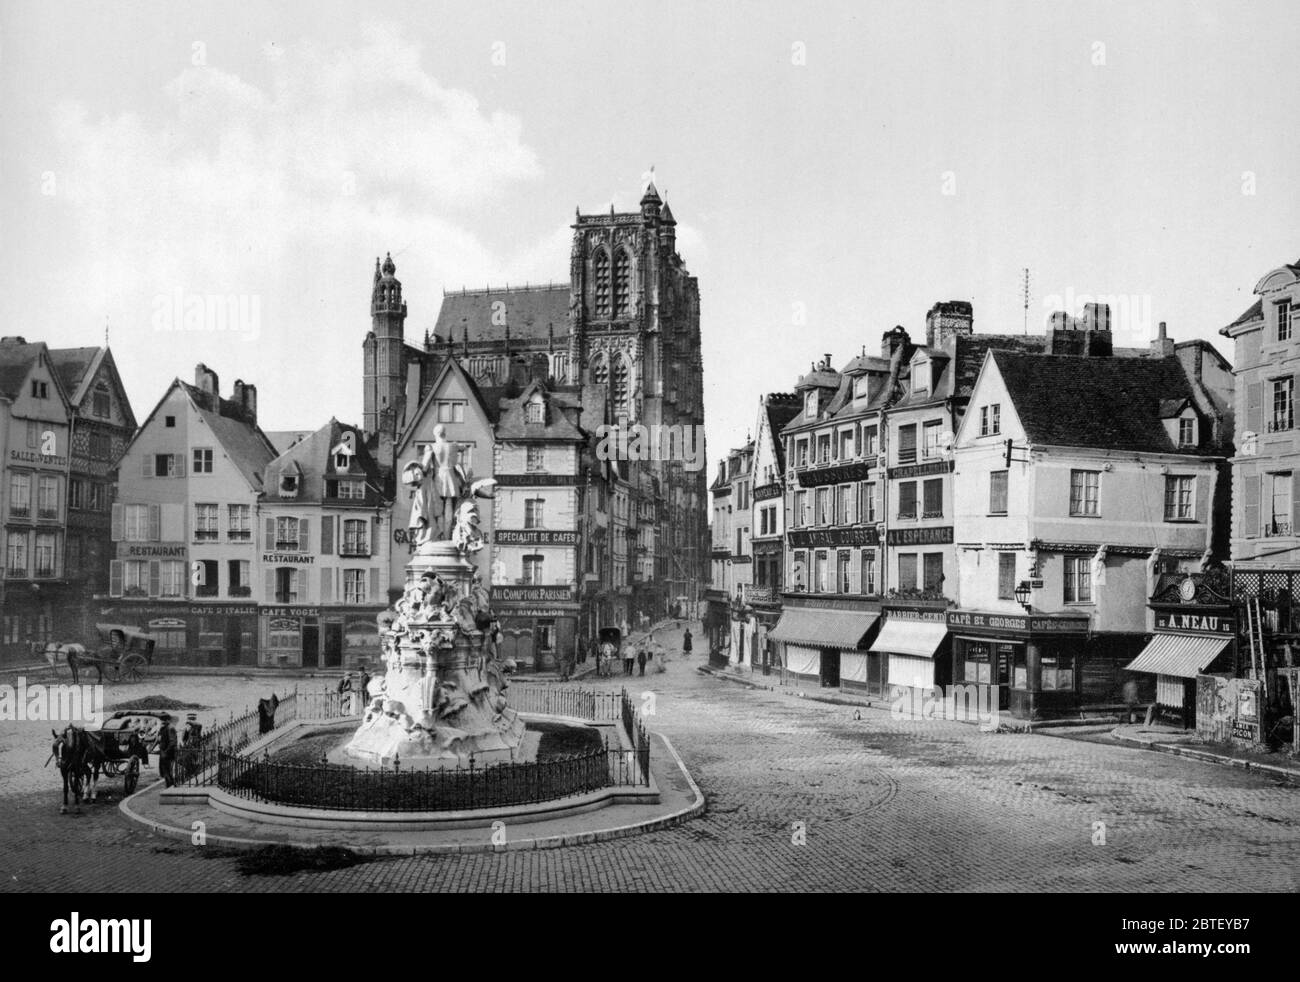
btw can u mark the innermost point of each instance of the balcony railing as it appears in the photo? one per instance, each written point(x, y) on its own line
point(282, 597)
point(241, 591)
point(358, 549)
point(1276, 528)
point(932, 514)
point(206, 535)
point(1277, 425)
point(47, 513)
point(907, 514)
point(44, 572)
point(239, 535)
point(19, 511)
point(286, 545)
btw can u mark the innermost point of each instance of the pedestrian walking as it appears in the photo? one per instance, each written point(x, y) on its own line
point(686, 642)
point(640, 659)
point(167, 751)
point(628, 658)
point(364, 686)
point(1131, 699)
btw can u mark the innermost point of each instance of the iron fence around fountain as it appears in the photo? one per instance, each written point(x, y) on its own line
point(341, 788)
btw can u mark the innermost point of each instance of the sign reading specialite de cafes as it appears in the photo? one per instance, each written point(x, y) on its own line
point(534, 537)
point(813, 538)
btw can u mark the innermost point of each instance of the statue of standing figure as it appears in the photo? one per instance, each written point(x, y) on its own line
point(438, 484)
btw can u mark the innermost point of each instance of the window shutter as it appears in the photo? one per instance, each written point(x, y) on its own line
point(372, 547)
point(326, 578)
point(172, 527)
point(1250, 505)
point(155, 523)
point(270, 535)
point(116, 522)
point(1295, 505)
point(155, 577)
point(304, 535)
point(373, 596)
point(1255, 407)
point(115, 578)
point(327, 535)
point(147, 466)
point(268, 583)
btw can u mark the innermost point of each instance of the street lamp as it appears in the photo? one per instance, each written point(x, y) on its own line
point(1022, 594)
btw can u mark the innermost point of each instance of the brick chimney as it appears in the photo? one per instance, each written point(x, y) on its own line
point(245, 396)
point(1088, 336)
point(892, 340)
point(1162, 346)
point(948, 319)
point(205, 380)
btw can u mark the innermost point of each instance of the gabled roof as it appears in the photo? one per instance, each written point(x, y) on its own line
point(16, 361)
point(77, 369)
point(487, 400)
point(1098, 402)
point(1254, 312)
point(530, 313)
point(282, 440)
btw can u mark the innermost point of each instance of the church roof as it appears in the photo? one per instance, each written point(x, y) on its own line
point(528, 312)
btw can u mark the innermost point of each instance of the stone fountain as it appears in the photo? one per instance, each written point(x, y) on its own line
point(442, 698)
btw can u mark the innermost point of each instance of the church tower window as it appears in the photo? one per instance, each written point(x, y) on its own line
point(621, 393)
point(601, 265)
point(622, 283)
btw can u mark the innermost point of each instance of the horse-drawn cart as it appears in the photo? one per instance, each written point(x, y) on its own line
point(124, 653)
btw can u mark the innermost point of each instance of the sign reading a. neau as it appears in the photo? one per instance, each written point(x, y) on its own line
point(1195, 623)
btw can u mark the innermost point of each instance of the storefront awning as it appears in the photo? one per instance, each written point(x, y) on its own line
point(904, 637)
point(1181, 655)
point(823, 628)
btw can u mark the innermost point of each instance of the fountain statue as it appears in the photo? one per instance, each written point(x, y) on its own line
point(442, 698)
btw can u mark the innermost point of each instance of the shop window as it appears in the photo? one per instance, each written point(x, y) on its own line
point(977, 663)
point(1057, 670)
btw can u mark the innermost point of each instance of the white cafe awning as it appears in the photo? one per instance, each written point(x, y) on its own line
point(904, 637)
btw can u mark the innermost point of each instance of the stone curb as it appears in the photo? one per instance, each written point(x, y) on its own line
point(1289, 774)
point(696, 807)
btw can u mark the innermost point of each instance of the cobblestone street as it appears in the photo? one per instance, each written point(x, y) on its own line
point(880, 804)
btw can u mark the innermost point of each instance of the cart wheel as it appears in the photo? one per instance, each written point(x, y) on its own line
point(132, 668)
point(132, 776)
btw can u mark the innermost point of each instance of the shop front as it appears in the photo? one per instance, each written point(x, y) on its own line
point(191, 634)
point(824, 641)
point(911, 650)
point(1034, 660)
point(717, 622)
point(539, 625)
point(765, 603)
point(1186, 644)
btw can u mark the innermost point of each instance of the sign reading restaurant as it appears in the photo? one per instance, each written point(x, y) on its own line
point(813, 538)
point(534, 594)
point(534, 537)
point(1016, 622)
point(937, 536)
point(296, 558)
point(1195, 623)
point(135, 550)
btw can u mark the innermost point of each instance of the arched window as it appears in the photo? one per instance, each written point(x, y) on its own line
point(622, 284)
point(599, 370)
point(601, 298)
point(621, 393)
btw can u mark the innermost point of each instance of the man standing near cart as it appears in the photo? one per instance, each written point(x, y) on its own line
point(167, 751)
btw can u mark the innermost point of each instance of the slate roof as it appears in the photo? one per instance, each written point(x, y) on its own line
point(245, 444)
point(313, 459)
point(529, 312)
point(1106, 403)
point(512, 426)
point(1252, 313)
point(780, 411)
point(75, 366)
point(16, 362)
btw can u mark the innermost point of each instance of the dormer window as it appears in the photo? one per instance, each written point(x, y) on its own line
point(860, 387)
point(921, 376)
point(535, 411)
point(342, 461)
point(1187, 432)
point(288, 485)
point(1284, 320)
point(810, 404)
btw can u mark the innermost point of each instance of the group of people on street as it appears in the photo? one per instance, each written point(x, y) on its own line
point(171, 746)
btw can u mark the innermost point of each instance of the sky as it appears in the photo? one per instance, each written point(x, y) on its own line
point(835, 169)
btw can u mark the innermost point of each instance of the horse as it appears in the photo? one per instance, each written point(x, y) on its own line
point(103, 748)
point(69, 753)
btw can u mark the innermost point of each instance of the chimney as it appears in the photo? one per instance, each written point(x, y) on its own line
point(894, 339)
point(205, 379)
point(250, 402)
point(1162, 347)
point(1088, 336)
point(948, 319)
point(517, 378)
point(1192, 357)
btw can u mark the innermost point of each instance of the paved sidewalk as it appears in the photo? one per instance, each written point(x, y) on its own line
point(1168, 740)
